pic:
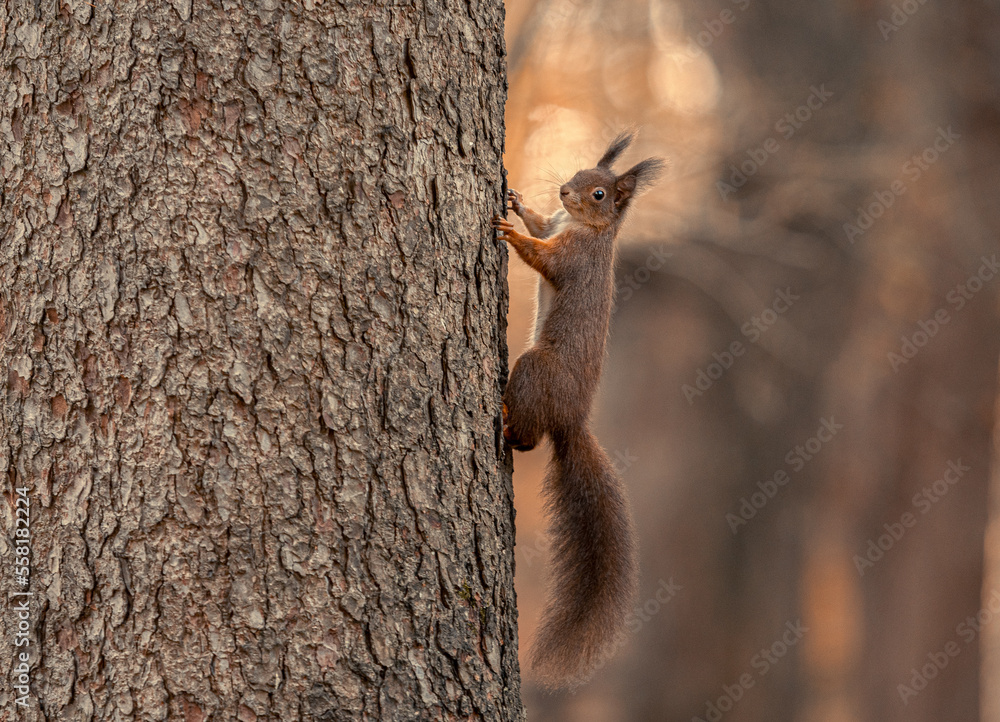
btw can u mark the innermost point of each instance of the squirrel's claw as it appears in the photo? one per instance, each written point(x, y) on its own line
point(514, 201)
point(503, 226)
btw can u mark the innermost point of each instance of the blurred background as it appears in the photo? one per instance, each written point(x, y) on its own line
point(801, 382)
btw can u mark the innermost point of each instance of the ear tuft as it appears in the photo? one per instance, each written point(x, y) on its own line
point(637, 179)
point(617, 147)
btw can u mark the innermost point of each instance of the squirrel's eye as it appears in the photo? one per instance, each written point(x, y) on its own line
point(598, 194)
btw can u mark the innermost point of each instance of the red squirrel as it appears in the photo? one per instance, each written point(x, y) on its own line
point(550, 392)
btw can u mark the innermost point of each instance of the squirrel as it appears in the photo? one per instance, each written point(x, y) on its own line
point(550, 392)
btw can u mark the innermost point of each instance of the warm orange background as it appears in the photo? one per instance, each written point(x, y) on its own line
point(828, 104)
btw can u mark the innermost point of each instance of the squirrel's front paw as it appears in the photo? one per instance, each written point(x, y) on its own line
point(505, 229)
point(516, 203)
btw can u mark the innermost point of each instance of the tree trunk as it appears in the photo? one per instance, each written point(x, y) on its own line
point(252, 328)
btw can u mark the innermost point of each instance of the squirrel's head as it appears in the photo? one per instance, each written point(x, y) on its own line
point(599, 196)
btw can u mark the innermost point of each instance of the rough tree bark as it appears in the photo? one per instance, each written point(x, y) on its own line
point(252, 339)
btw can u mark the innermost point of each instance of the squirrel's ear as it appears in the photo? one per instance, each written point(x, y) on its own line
point(617, 147)
point(636, 179)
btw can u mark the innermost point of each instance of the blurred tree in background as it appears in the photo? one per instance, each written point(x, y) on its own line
point(802, 376)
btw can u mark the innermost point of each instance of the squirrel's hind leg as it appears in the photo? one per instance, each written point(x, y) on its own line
point(525, 399)
point(509, 436)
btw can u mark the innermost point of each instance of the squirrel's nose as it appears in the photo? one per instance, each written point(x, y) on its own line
point(564, 191)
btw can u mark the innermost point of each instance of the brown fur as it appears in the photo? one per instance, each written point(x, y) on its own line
point(550, 392)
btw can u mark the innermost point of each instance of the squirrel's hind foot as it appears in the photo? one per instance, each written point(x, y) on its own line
point(509, 436)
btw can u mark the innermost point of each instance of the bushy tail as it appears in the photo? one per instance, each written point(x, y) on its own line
point(594, 558)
